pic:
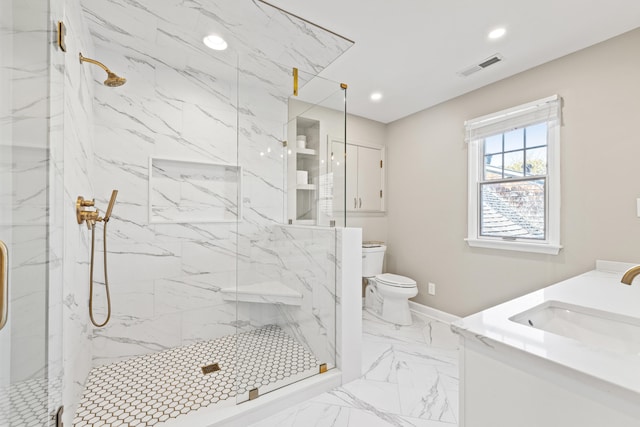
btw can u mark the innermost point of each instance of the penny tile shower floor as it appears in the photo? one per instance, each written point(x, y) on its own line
point(151, 389)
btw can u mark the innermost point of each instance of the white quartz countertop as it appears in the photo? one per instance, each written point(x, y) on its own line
point(599, 289)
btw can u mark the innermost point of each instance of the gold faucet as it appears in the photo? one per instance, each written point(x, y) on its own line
point(630, 274)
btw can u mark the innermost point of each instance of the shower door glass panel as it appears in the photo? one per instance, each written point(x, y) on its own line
point(315, 133)
point(30, 341)
point(286, 282)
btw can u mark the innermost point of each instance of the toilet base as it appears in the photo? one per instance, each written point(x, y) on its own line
point(394, 309)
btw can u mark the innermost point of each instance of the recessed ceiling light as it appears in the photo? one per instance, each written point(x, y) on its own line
point(215, 42)
point(376, 96)
point(497, 33)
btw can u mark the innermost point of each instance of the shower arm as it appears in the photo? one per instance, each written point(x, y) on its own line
point(113, 80)
point(93, 61)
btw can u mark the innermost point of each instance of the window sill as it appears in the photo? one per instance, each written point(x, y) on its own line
point(539, 248)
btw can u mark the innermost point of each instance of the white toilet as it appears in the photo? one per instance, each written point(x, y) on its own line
point(386, 295)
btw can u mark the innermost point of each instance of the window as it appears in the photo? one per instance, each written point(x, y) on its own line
point(514, 178)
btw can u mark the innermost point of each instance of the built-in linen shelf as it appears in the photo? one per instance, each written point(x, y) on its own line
point(271, 292)
point(306, 187)
point(306, 152)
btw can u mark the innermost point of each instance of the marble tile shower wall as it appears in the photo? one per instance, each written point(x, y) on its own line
point(309, 254)
point(78, 156)
point(166, 278)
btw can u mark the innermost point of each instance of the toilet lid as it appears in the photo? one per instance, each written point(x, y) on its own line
point(395, 280)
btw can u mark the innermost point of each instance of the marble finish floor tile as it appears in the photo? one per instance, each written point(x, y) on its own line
point(410, 378)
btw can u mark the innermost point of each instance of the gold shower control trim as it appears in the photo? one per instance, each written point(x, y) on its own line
point(4, 285)
point(83, 215)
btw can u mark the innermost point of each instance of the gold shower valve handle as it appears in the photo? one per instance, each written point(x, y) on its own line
point(83, 214)
point(88, 216)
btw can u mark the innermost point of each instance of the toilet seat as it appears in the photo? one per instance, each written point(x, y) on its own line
point(395, 280)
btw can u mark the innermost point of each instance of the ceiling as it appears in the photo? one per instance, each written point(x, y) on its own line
point(412, 50)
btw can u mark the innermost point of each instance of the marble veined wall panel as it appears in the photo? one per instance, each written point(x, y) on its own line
point(305, 261)
point(171, 29)
point(185, 102)
point(165, 278)
point(77, 156)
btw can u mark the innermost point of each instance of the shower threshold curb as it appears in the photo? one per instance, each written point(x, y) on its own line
point(268, 404)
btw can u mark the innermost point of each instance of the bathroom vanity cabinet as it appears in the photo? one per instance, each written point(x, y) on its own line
point(524, 363)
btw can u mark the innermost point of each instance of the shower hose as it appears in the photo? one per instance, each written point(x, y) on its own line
point(106, 280)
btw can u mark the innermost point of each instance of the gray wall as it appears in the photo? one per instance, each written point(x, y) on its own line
point(427, 181)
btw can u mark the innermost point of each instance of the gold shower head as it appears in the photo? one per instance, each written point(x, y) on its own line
point(113, 80)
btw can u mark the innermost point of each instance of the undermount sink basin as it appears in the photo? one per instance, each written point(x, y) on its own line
point(600, 329)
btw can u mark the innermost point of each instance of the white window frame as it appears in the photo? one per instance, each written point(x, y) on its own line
point(546, 109)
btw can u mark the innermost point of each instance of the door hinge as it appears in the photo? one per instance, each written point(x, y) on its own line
point(380, 163)
point(381, 194)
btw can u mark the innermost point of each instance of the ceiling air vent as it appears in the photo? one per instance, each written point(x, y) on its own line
point(493, 59)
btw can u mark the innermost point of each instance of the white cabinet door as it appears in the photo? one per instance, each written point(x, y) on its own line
point(369, 179)
point(352, 177)
point(364, 178)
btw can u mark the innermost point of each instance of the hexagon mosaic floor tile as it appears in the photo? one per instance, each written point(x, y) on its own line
point(150, 389)
point(24, 404)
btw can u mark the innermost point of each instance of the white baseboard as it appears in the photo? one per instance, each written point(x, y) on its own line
point(432, 312)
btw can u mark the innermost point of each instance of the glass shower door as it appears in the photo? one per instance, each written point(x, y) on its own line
point(30, 345)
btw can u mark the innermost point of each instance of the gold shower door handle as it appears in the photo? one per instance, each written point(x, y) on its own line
point(4, 285)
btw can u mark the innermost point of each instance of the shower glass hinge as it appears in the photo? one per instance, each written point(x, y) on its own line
point(323, 368)
point(295, 82)
point(332, 223)
point(253, 394)
point(62, 32)
point(284, 143)
point(59, 417)
point(290, 221)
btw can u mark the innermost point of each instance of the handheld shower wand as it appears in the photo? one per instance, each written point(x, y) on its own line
point(112, 202)
point(91, 217)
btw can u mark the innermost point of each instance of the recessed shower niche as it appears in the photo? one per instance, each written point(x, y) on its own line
point(188, 191)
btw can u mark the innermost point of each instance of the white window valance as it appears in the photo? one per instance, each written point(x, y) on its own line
point(542, 110)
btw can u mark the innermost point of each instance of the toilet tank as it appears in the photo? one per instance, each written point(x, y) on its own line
point(372, 258)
